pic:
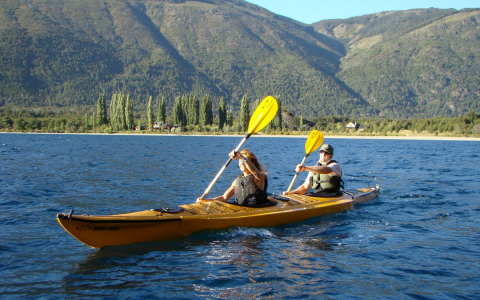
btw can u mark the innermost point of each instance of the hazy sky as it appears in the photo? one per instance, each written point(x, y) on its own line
point(311, 11)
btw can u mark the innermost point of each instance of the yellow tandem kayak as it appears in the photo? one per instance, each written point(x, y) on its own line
point(166, 224)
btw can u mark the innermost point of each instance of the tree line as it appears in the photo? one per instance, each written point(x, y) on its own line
point(190, 114)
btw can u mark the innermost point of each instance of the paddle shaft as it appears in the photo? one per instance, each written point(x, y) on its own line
point(291, 184)
point(224, 167)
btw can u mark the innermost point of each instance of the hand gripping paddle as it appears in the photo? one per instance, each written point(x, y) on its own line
point(314, 140)
point(264, 113)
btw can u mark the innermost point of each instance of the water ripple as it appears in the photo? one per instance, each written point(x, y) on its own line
point(418, 239)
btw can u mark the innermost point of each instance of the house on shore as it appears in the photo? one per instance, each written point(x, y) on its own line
point(160, 125)
point(354, 126)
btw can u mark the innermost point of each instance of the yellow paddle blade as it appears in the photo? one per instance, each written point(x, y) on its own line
point(314, 140)
point(264, 113)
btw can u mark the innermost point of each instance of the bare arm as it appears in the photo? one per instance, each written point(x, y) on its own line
point(225, 197)
point(249, 165)
point(256, 173)
point(314, 169)
point(299, 190)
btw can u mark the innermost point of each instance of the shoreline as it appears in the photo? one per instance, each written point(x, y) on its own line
point(413, 137)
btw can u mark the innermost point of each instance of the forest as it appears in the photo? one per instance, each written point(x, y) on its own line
point(57, 56)
point(190, 115)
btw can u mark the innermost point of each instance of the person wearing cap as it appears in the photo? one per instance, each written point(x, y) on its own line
point(325, 178)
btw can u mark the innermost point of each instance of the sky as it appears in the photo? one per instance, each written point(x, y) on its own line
point(311, 11)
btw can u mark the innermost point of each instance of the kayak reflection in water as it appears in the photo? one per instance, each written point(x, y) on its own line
point(249, 188)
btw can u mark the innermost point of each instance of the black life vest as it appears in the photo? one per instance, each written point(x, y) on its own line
point(248, 193)
point(325, 182)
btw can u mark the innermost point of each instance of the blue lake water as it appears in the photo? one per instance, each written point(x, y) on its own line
point(418, 240)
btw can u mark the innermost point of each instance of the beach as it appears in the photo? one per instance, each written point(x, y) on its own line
point(387, 137)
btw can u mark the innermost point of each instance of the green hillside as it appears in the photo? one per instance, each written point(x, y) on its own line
point(60, 53)
point(418, 62)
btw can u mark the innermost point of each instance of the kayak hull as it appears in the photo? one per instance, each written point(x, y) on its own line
point(159, 225)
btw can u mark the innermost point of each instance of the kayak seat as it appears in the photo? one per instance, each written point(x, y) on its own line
point(269, 203)
point(168, 210)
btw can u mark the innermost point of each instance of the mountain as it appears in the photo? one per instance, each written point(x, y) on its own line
point(395, 64)
point(423, 62)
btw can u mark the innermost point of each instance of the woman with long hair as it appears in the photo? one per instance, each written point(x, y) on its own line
point(250, 187)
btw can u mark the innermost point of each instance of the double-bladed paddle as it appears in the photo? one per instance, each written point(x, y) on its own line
point(264, 113)
point(314, 140)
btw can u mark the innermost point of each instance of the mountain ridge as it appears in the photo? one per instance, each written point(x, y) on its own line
point(62, 53)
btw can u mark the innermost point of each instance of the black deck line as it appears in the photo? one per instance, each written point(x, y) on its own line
point(64, 216)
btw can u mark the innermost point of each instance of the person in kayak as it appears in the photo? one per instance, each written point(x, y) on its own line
point(325, 178)
point(249, 188)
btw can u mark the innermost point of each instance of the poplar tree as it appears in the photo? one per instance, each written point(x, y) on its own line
point(190, 109)
point(177, 113)
point(130, 120)
point(194, 110)
point(201, 116)
point(222, 113)
point(185, 109)
point(150, 113)
point(113, 112)
point(278, 117)
point(244, 114)
point(121, 103)
point(208, 110)
point(206, 114)
point(101, 111)
point(118, 112)
point(161, 114)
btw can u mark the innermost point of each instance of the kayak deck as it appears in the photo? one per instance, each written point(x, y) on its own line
point(165, 224)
